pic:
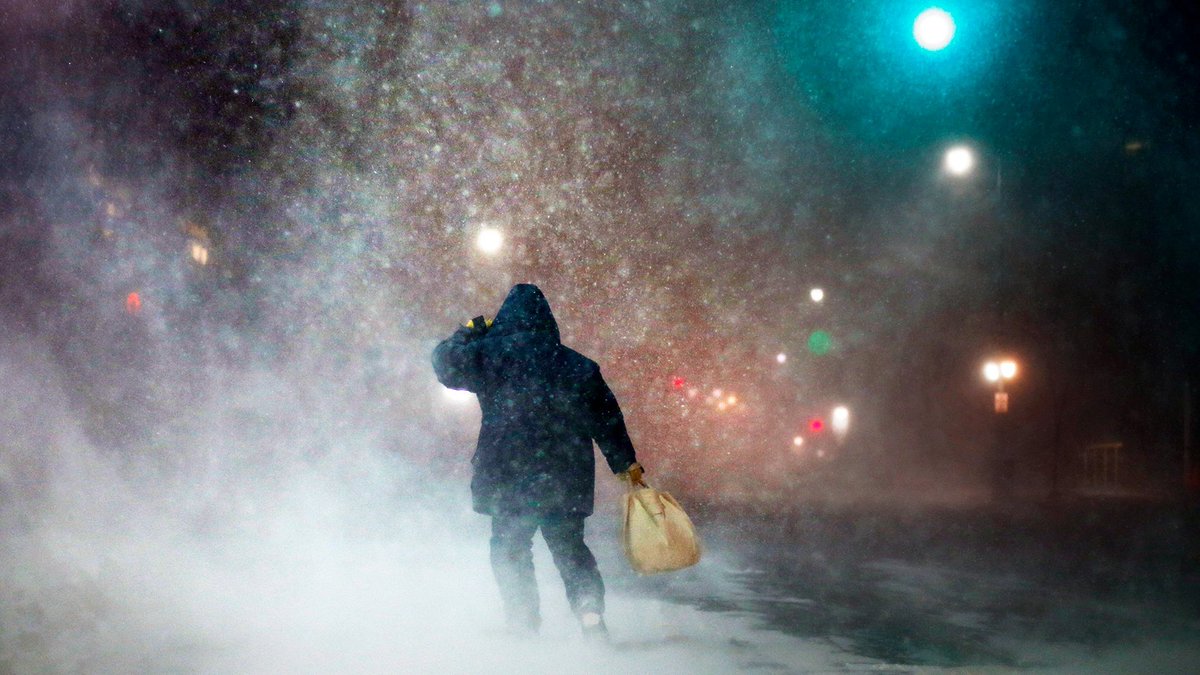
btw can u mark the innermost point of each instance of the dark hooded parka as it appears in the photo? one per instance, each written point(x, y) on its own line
point(543, 404)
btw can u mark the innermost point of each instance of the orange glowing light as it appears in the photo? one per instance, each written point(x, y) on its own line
point(133, 303)
point(199, 253)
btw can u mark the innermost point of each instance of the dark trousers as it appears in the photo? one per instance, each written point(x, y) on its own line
point(512, 562)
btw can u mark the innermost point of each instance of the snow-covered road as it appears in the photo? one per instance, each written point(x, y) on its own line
point(292, 588)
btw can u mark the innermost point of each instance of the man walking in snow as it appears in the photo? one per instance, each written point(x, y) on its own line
point(534, 468)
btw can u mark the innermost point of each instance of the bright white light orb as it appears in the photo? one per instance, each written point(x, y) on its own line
point(1008, 369)
point(991, 371)
point(841, 419)
point(816, 294)
point(798, 441)
point(959, 160)
point(781, 358)
point(934, 29)
point(489, 241)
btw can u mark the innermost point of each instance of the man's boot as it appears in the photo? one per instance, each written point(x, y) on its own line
point(593, 627)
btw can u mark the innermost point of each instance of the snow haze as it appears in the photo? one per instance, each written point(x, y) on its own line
point(231, 233)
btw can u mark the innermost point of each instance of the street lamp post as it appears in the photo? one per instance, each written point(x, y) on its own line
point(998, 372)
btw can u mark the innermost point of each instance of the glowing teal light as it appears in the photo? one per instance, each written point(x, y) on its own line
point(934, 29)
point(819, 343)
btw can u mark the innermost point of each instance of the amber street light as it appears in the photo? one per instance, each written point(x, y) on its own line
point(997, 372)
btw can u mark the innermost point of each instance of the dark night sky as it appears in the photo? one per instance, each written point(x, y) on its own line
point(712, 163)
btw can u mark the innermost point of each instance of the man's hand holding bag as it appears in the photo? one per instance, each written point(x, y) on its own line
point(656, 533)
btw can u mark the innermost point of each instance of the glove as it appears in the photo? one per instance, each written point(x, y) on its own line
point(634, 475)
point(479, 324)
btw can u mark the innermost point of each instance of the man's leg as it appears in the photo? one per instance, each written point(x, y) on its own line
point(585, 588)
point(512, 563)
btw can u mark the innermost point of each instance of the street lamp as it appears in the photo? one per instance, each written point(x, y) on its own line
point(1008, 369)
point(199, 253)
point(958, 161)
point(1003, 463)
point(991, 371)
point(934, 29)
point(997, 372)
point(840, 421)
point(489, 240)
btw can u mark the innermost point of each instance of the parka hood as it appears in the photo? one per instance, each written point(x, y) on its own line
point(525, 310)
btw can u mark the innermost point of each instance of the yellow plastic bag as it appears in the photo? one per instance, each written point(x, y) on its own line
point(656, 533)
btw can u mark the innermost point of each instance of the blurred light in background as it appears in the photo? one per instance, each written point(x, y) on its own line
point(677, 382)
point(817, 294)
point(959, 160)
point(489, 241)
point(934, 29)
point(991, 371)
point(1008, 369)
point(994, 371)
point(819, 343)
point(781, 358)
point(840, 420)
point(816, 424)
point(199, 253)
point(798, 441)
point(133, 303)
